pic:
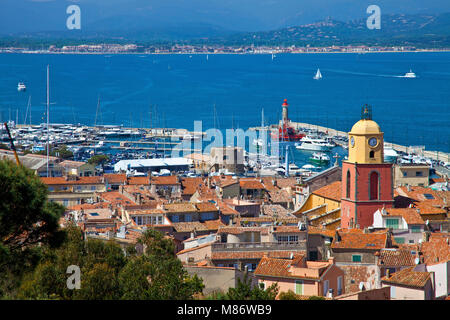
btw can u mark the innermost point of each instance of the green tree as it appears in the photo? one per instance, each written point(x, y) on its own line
point(165, 277)
point(290, 295)
point(245, 291)
point(28, 222)
point(61, 152)
point(98, 282)
point(99, 159)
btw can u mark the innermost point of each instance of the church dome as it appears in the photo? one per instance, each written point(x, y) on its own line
point(365, 127)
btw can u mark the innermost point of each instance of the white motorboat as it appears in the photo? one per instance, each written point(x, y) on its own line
point(190, 137)
point(409, 74)
point(314, 143)
point(21, 86)
point(390, 155)
point(320, 158)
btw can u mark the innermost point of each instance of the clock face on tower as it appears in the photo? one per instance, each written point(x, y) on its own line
point(352, 141)
point(373, 142)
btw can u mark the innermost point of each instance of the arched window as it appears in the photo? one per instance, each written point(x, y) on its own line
point(374, 183)
point(347, 194)
point(372, 154)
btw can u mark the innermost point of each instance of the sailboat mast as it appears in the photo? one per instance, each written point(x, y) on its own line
point(48, 116)
point(29, 105)
point(96, 112)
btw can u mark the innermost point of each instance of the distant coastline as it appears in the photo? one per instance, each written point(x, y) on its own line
point(316, 50)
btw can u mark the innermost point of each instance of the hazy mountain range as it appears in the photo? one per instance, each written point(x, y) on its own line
point(27, 16)
point(271, 22)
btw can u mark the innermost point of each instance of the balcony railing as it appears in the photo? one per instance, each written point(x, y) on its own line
point(259, 246)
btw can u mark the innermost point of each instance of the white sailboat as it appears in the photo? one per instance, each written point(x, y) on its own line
point(318, 75)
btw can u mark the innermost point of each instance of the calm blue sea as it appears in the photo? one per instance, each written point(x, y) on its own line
point(174, 90)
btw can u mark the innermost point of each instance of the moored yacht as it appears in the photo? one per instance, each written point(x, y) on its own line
point(314, 143)
point(319, 158)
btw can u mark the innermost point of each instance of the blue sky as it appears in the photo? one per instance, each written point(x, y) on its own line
point(240, 15)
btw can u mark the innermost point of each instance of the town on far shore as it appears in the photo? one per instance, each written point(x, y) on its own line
point(115, 48)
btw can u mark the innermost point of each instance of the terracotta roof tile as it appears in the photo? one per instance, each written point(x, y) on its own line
point(115, 178)
point(240, 230)
point(428, 201)
point(165, 180)
point(273, 267)
point(359, 240)
point(436, 249)
point(331, 191)
point(213, 225)
point(232, 255)
point(115, 198)
point(286, 182)
point(206, 207)
point(138, 180)
point(251, 184)
point(408, 277)
point(190, 185)
point(189, 226)
point(395, 258)
point(410, 215)
point(287, 229)
point(180, 207)
point(79, 180)
point(324, 232)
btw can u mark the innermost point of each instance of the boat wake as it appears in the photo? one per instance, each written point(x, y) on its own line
point(365, 74)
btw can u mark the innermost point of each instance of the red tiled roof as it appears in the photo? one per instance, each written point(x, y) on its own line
point(225, 209)
point(416, 197)
point(286, 182)
point(165, 180)
point(115, 197)
point(410, 215)
point(180, 207)
point(273, 267)
point(213, 225)
point(286, 229)
point(395, 258)
point(138, 180)
point(408, 277)
point(240, 230)
point(79, 180)
point(436, 249)
point(251, 184)
point(115, 178)
point(232, 255)
point(331, 191)
point(190, 185)
point(206, 207)
point(189, 226)
point(356, 239)
point(324, 232)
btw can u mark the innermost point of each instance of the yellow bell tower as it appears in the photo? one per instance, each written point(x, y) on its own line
point(366, 178)
point(365, 140)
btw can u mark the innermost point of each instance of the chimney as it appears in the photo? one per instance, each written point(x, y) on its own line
point(337, 237)
point(366, 230)
point(408, 187)
point(331, 260)
point(388, 273)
